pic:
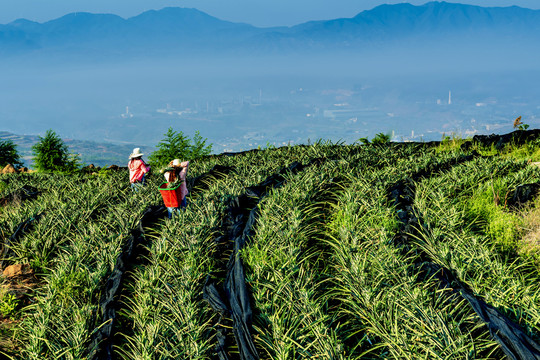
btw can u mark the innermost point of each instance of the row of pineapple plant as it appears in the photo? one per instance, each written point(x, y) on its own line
point(328, 278)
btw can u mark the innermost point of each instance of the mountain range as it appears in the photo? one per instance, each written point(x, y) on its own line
point(184, 30)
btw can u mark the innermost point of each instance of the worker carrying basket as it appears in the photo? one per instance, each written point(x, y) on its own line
point(174, 190)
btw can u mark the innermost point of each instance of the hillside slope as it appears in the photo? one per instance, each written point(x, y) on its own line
point(90, 152)
point(400, 250)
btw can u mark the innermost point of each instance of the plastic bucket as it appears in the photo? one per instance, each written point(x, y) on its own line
point(171, 195)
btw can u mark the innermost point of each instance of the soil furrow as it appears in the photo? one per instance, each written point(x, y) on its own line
point(515, 343)
point(6, 244)
point(228, 295)
point(134, 254)
point(26, 192)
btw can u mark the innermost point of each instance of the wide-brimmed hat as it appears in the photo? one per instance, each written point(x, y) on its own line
point(136, 153)
point(176, 162)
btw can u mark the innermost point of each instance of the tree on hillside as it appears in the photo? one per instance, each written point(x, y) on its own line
point(51, 154)
point(9, 154)
point(199, 147)
point(176, 145)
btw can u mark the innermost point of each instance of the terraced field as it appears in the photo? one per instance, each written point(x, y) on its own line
point(328, 251)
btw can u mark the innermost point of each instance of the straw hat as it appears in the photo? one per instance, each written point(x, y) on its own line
point(176, 162)
point(136, 153)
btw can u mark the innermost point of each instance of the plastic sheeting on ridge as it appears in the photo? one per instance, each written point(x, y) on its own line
point(240, 221)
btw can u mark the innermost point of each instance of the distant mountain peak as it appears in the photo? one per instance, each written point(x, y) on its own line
point(178, 29)
point(22, 22)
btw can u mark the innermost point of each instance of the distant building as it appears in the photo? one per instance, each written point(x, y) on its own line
point(127, 114)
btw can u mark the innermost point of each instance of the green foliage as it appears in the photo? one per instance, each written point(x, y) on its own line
point(199, 147)
point(72, 286)
point(51, 154)
point(9, 305)
point(451, 143)
point(488, 205)
point(530, 150)
point(379, 139)
point(269, 146)
point(9, 154)
point(364, 140)
point(325, 266)
point(176, 145)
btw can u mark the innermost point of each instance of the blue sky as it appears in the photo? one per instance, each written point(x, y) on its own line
point(255, 12)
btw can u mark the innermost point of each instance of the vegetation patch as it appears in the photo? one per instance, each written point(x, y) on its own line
point(369, 252)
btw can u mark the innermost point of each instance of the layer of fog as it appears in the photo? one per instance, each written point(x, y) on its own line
point(244, 101)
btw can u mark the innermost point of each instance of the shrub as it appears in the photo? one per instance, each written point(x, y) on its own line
point(51, 154)
point(488, 205)
point(451, 142)
point(381, 138)
point(9, 154)
point(176, 145)
point(8, 305)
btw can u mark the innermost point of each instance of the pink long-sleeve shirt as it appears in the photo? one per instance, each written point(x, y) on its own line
point(137, 169)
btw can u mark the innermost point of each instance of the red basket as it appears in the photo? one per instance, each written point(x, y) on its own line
point(171, 195)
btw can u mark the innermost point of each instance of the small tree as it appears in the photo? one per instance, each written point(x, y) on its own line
point(199, 147)
point(51, 154)
point(9, 154)
point(176, 145)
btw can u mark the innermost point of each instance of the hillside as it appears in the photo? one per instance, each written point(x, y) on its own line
point(90, 152)
point(396, 251)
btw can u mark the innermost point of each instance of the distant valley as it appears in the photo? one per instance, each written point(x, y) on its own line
point(90, 152)
point(415, 72)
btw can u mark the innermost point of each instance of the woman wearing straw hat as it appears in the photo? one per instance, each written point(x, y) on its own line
point(137, 169)
point(177, 171)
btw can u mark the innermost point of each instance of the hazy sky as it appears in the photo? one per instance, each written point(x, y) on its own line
point(255, 12)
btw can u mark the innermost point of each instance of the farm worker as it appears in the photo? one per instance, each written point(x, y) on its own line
point(137, 169)
point(177, 171)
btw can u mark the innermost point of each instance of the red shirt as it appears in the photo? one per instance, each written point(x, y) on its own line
point(137, 169)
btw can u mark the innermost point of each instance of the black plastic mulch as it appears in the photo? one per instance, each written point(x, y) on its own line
point(524, 193)
point(518, 137)
point(514, 342)
point(21, 228)
point(101, 345)
point(234, 300)
point(26, 192)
